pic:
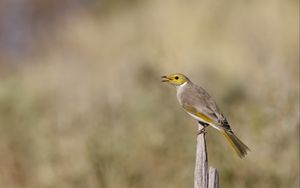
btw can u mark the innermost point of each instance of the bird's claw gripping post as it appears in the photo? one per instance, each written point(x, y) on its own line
point(201, 131)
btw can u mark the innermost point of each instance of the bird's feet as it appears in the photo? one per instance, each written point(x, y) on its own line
point(204, 125)
point(201, 131)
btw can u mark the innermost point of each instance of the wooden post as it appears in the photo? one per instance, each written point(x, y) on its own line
point(213, 178)
point(201, 166)
point(202, 177)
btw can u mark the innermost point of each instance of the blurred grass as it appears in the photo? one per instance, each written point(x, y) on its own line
point(87, 109)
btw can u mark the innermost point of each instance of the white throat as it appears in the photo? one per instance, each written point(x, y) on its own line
point(182, 85)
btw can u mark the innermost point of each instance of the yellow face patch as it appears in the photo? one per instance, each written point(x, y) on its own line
point(176, 79)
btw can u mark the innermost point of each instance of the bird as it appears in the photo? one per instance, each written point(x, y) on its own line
point(198, 103)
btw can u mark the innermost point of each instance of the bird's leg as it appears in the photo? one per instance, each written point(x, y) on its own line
point(204, 125)
point(201, 131)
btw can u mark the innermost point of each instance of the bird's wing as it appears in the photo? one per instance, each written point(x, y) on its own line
point(201, 104)
point(206, 117)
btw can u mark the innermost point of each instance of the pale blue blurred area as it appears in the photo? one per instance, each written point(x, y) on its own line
point(21, 22)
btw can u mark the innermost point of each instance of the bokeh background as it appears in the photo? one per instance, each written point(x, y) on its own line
point(82, 105)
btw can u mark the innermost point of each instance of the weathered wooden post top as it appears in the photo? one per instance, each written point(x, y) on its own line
point(204, 177)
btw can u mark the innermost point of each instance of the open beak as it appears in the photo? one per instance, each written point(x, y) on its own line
point(165, 79)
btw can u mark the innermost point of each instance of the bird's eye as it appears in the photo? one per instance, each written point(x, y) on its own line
point(176, 77)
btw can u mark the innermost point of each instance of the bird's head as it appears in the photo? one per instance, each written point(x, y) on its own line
point(175, 79)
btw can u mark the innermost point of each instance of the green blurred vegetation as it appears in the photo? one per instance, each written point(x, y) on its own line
point(84, 106)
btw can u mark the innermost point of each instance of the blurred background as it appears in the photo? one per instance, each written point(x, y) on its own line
point(82, 105)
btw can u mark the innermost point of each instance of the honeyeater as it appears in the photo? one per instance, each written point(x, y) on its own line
point(200, 105)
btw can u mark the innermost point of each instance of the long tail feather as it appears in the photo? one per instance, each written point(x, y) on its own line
point(239, 147)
